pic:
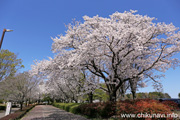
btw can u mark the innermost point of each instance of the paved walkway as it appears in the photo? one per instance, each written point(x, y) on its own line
point(48, 112)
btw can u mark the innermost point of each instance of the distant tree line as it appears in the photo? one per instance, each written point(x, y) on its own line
point(151, 95)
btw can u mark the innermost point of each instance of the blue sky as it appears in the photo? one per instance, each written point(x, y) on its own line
point(35, 21)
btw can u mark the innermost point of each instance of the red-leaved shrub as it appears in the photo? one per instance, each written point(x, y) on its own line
point(102, 109)
point(172, 105)
point(136, 107)
point(141, 106)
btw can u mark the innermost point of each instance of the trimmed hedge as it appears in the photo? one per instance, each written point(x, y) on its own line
point(141, 106)
point(69, 107)
point(18, 114)
point(93, 110)
point(115, 110)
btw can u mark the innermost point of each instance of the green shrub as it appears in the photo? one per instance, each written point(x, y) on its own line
point(74, 109)
point(108, 109)
point(69, 107)
point(102, 110)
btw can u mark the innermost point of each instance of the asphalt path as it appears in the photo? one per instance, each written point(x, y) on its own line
point(48, 112)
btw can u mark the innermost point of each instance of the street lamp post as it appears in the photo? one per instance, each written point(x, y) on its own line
point(5, 30)
point(9, 104)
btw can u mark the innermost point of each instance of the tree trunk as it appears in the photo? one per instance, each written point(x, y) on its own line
point(90, 97)
point(112, 97)
point(122, 91)
point(21, 105)
point(133, 85)
point(134, 94)
point(29, 101)
point(26, 103)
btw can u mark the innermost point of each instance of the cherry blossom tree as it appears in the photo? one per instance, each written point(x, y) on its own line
point(18, 88)
point(124, 47)
point(69, 83)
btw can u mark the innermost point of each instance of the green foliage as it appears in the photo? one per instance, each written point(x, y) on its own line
point(46, 97)
point(100, 94)
point(9, 64)
point(73, 109)
point(150, 95)
point(142, 95)
point(69, 107)
point(156, 95)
